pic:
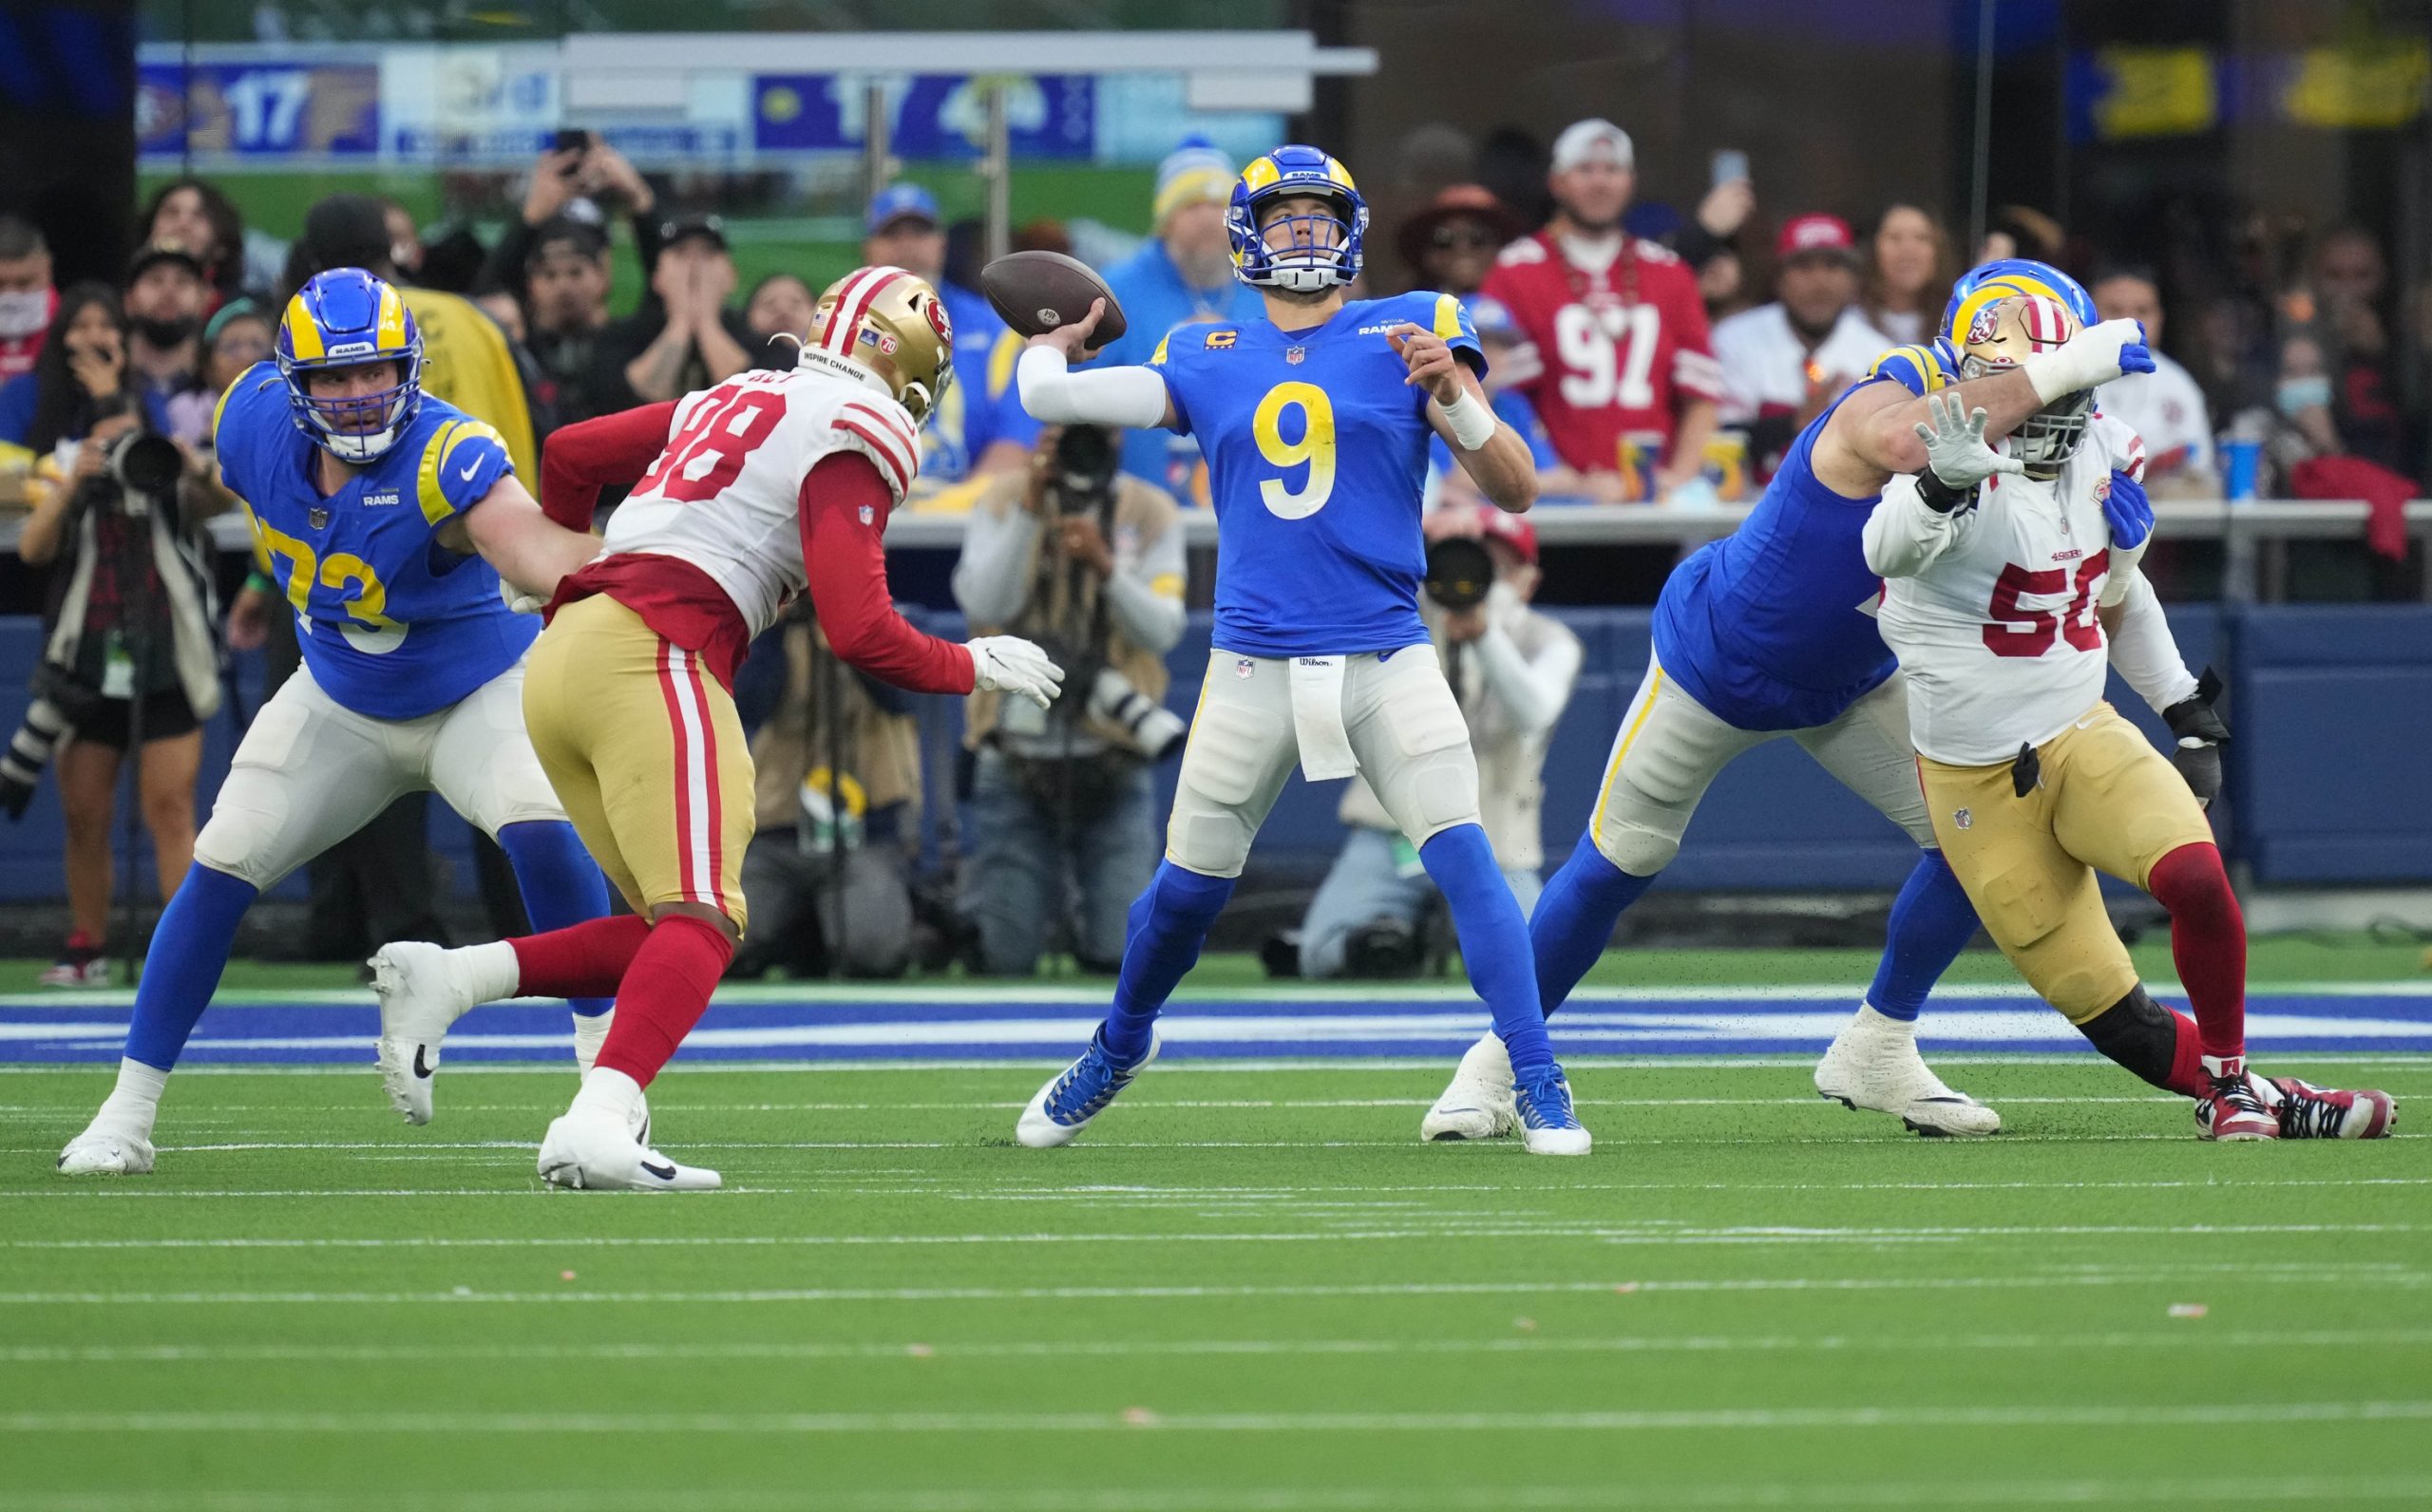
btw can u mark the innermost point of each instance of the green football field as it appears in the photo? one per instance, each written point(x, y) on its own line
point(1248, 1287)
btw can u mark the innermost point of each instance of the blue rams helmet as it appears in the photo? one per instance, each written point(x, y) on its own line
point(1980, 289)
point(1308, 252)
point(345, 318)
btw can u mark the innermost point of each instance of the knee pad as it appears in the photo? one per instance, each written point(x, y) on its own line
point(1231, 750)
point(2136, 1032)
point(1433, 783)
point(1638, 849)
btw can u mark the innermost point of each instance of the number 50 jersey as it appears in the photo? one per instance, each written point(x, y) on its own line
point(1317, 459)
point(393, 623)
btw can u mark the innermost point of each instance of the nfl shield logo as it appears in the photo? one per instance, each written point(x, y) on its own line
point(1964, 819)
point(319, 516)
point(868, 514)
point(1295, 354)
point(1244, 667)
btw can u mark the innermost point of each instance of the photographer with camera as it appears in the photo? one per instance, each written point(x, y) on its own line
point(129, 659)
point(1512, 669)
point(827, 875)
point(1088, 563)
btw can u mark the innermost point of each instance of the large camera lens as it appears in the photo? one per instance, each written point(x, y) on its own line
point(1459, 572)
point(145, 464)
point(1087, 458)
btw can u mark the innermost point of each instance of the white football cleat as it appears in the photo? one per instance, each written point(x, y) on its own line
point(591, 1149)
point(102, 1150)
point(422, 990)
point(1874, 1064)
point(1478, 1104)
point(1058, 1112)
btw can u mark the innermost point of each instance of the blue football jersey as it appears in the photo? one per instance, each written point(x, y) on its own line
point(393, 623)
point(1317, 456)
point(1772, 627)
point(980, 406)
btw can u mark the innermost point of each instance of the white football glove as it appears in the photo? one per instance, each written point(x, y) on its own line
point(1956, 452)
point(517, 602)
point(1009, 664)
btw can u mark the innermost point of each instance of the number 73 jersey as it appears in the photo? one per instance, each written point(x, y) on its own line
point(1316, 450)
point(1997, 636)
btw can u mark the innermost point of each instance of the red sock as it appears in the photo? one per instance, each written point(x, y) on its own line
point(581, 960)
point(2187, 1076)
point(2207, 942)
point(664, 993)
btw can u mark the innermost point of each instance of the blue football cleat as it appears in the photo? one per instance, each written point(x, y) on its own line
point(1078, 1093)
point(1548, 1125)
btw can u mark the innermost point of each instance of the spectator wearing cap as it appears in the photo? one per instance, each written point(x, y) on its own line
point(1512, 668)
point(580, 185)
point(564, 303)
point(165, 298)
point(685, 338)
point(1183, 273)
point(1784, 361)
point(980, 426)
point(1451, 245)
point(2165, 408)
point(466, 358)
point(28, 298)
point(1616, 349)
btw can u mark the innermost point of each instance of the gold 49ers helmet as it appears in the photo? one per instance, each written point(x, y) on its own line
point(891, 323)
point(2005, 333)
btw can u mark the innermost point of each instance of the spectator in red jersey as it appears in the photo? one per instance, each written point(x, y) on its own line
point(26, 298)
point(1451, 245)
point(1784, 362)
point(1615, 331)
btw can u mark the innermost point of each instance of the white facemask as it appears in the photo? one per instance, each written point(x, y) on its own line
point(24, 313)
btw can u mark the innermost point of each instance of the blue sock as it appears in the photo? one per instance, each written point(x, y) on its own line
point(1575, 917)
point(182, 969)
point(1169, 923)
point(560, 884)
point(1494, 942)
point(1931, 922)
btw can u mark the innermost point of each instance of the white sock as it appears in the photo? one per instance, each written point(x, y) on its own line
point(608, 1091)
point(135, 1102)
point(1875, 1018)
point(590, 1032)
point(491, 971)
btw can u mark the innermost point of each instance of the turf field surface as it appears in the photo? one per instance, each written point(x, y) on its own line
point(1248, 1287)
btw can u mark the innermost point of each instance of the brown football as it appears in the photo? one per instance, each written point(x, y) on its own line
point(1037, 292)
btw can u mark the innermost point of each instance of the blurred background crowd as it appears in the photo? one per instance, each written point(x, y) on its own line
point(1660, 324)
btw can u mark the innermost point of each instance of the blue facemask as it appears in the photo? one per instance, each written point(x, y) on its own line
point(2302, 393)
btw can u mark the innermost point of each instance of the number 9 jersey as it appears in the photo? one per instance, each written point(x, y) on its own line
point(1316, 452)
point(393, 623)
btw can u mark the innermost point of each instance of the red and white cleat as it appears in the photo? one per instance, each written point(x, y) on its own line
point(2236, 1110)
point(2310, 1113)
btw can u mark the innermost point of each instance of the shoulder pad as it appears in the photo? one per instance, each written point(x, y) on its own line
point(1921, 369)
point(1655, 252)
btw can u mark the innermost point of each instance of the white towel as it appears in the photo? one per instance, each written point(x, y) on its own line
point(1317, 718)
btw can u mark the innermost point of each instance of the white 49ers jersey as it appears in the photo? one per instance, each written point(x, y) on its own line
point(1991, 609)
point(725, 494)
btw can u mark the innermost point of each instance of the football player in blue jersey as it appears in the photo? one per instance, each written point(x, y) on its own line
point(1770, 632)
point(1316, 423)
point(387, 517)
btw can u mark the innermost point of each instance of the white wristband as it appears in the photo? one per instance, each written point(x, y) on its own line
point(1473, 423)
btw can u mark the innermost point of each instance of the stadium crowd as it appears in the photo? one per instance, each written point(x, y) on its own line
point(1650, 355)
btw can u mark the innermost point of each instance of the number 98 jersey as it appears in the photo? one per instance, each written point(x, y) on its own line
point(1317, 459)
point(393, 623)
point(725, 494)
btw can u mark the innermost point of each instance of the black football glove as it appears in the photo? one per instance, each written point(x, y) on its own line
point(2201, 734)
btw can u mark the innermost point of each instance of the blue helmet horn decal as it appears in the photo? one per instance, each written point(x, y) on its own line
point(1306, 251)
point(345, 318)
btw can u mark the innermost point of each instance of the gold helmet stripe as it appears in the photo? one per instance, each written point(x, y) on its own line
point(852, 304)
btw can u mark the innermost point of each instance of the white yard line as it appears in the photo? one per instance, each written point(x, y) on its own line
point(1453, 1226)
point(457, 1425)
point(1700, 1061)
point(1115, 1349)
point(2082, 1277)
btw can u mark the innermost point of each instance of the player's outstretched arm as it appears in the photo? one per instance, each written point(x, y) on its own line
point(590, 455)
point(1135, 398)
point(531, 551)
point(1874, 433)
point(1916, 519)
point(1493, 454)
